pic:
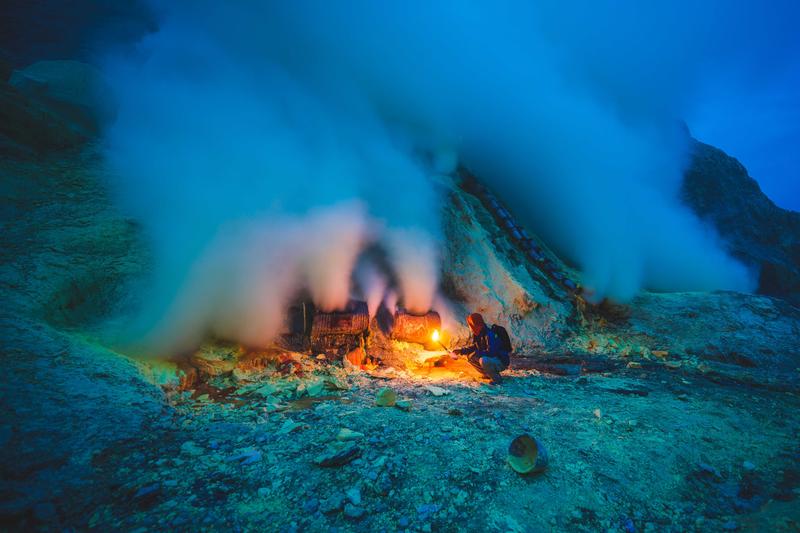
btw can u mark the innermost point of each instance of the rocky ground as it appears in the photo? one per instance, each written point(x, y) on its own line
point(636, 449)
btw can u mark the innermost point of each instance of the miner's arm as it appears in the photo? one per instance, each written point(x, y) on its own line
point(466, 350)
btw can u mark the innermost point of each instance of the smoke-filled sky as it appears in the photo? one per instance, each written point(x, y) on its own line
point(272, 148)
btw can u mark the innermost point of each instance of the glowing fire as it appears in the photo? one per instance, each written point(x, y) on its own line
point(437, 366)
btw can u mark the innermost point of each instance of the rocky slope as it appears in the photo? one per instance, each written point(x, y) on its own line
point(718, 188)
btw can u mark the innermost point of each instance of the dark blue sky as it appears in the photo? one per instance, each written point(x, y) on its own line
point(758, 122)
point(750, 105)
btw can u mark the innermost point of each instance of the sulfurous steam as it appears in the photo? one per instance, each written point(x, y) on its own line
point(255, 186)
point(266, 145)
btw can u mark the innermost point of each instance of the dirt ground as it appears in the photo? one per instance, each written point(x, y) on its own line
point(630, 450)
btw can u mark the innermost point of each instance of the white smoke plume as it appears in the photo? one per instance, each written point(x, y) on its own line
point(416, 263)
point(239, 285)
point(256, 114)
point(255, 186)
point(373, 284)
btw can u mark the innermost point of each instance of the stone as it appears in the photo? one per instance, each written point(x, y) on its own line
point(346, 434)
point(386, 397)
point(747, 465)
point(332, 504)
point(147, 495)
point(353, 511)
point(288, 426)
point(338, 456)
point(436, 391)
point(403, 405)
point(191, 448)
point(247, 457)
point(425, 510)
point(384, 485)
point(708, 470)
point(354, 495)
point(311, 505)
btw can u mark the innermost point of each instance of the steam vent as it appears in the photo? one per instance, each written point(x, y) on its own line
point(364, 266)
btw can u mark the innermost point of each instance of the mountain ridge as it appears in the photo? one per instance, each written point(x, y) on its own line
point(719, 189)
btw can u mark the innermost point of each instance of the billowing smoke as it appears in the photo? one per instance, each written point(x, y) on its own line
point(373, 284)
point(238, 285)
point(256, 186)
point(265, 145)
point(571, 115)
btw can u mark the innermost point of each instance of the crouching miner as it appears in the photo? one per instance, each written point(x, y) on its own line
point(490, 349)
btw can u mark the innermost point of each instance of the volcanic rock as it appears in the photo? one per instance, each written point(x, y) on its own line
point(354, 495)
point(386, 397)
point(404, 405)
point(767, 238)
point(332, 504)
point(338, 456)
point(353, 512)
point(190, 448)
point(311, 505)
point(348, 434)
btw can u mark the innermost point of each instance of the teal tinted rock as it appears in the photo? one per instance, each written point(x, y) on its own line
point(353, 512)
point(332, 504)
point(386, 397)
point(338, 455)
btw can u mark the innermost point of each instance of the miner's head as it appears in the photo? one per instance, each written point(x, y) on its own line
point(475, 323)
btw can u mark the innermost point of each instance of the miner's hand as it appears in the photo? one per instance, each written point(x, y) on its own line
point(454, 356)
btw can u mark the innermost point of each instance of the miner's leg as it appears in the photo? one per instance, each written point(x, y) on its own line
point(487, 367)
point(476, 364)
point(491, 368)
